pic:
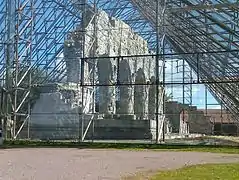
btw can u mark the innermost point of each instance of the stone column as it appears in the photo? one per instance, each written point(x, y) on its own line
point(152, 99)
point(106, 92)
point(125, 91)
point(72, 61)
point(140, 94)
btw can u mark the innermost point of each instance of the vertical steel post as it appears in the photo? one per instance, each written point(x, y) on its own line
point(221, 114)
point(94, 68)
point(163, 58)
point(83, 4)
point(191, 86)
point(16, 68)
point(198, 68)
point(183, 92)
point(30, 71)
point(157, 72)
point(10, 4)
point(206, 99)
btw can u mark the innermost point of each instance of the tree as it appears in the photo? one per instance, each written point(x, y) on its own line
point(168, 97)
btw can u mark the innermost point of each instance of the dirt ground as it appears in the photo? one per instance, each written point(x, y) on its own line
point(80, 164)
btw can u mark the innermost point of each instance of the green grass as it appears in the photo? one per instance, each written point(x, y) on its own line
point(201, 172)
point(127, 146)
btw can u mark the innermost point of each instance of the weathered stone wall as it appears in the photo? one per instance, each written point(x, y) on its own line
point(197, 122)
point(115, 38)
point(109, 37)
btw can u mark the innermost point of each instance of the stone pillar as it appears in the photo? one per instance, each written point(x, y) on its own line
point(125, 91)
point(72, 60)
point(140, 94)
point(106, 92)
point(152, 100)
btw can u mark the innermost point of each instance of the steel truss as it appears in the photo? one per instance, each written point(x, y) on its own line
point(205, 34)
point(31, 43)
point(194, 28)
point(17, 52)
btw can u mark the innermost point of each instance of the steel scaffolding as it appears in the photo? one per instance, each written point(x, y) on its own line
point(202, 33)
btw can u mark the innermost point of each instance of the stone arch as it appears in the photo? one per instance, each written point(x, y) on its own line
point(106, 92)
point(140, 94)
point(125, 91)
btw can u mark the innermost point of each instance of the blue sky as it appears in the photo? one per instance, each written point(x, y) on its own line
point(200, 95)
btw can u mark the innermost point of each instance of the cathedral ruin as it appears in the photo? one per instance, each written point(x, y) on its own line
point(112, 87)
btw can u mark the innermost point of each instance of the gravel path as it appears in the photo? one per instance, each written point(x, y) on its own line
point(72, 164)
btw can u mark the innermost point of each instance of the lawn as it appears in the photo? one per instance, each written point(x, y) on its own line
point(201, 172)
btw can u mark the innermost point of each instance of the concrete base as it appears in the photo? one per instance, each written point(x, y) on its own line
point(104, 129)
point(123, 129)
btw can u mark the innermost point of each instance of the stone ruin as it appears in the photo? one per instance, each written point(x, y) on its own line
point(124, 111)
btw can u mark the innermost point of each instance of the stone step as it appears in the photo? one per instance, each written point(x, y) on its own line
point(103, 129)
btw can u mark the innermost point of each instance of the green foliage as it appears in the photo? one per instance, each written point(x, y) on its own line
point(168, 97)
